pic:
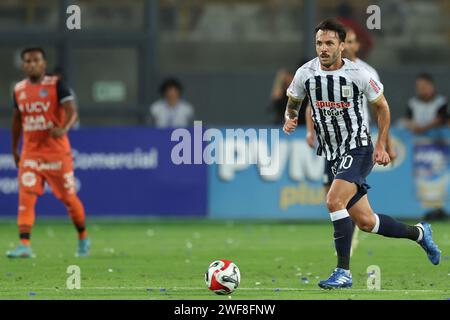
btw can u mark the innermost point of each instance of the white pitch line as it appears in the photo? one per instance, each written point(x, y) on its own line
point(239, 289)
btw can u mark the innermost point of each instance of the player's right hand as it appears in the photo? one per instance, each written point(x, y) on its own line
point(16, 157)
point(58, 132)
point(290, 125)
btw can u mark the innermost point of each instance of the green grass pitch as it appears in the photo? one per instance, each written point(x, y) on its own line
point(153, 259)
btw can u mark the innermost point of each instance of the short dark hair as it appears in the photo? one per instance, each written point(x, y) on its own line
point(425, 76)
point(332, 25)
point(169, 83)
point(32, 49)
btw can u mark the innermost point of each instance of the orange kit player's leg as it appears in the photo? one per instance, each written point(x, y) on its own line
point(59, 175)
point(31, 185)
point(58, 172)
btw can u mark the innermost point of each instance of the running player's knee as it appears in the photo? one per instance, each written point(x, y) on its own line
point(334, 203)
point(366, 223)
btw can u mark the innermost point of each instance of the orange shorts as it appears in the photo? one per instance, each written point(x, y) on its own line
point(56, 170)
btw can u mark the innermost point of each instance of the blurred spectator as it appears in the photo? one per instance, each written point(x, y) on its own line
point(279, 98)
point(346, 17)
point(171, 111)
point(351, 52)
point(427, 110)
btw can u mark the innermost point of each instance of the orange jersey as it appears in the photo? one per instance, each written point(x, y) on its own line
point(41, 110)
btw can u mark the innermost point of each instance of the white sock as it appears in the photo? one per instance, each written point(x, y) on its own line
point(419, 226)
point(338, 215)
point(377, 224)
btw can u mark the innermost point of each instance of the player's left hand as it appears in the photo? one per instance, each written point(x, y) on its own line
point(380, 156)
point(58, 132)
point(392, 154)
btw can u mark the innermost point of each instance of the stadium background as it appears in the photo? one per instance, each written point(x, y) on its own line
point(226, 54)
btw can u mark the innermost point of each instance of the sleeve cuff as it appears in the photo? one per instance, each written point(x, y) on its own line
point(377, 98)
point(68, 98)
point(293, 98)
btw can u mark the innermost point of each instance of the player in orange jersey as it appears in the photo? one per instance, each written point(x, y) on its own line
point(44, 111)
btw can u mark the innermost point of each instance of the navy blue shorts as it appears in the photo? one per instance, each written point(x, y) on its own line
point(354, 167)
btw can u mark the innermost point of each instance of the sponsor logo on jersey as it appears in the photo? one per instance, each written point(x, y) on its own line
point(374, 85)
point(332, 104)
point(36, 123)
point(43, 93)
point(36, 107)
point(333, 112)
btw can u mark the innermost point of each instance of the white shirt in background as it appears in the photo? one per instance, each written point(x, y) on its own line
point(165, 116)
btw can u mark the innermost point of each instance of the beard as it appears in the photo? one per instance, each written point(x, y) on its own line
point(331, 59)
point(35, 77)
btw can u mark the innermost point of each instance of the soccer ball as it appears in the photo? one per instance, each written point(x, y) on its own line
point(222, 277)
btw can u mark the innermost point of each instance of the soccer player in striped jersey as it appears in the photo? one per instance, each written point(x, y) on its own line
point(336, 88)
point(350, 52)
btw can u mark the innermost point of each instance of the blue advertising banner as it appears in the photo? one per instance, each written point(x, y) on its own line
point(130, 172)
point(431, 169)
point(241, 191)
point(119, 171)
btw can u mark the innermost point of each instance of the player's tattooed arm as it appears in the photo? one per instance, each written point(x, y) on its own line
point(383, 114)
point(291, 115)
point(16, 131)
point(292, 108)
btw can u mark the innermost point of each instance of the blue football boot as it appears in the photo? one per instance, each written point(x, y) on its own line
point(83, 247)
point(21, 251)
point(427, 243)
point(340, 278)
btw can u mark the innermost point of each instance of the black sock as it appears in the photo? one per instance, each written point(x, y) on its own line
point(24, 236)
point(343, 233)
point(389, 227)
point(80, 228)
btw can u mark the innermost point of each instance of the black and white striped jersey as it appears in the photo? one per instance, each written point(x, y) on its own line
point(336, 99)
